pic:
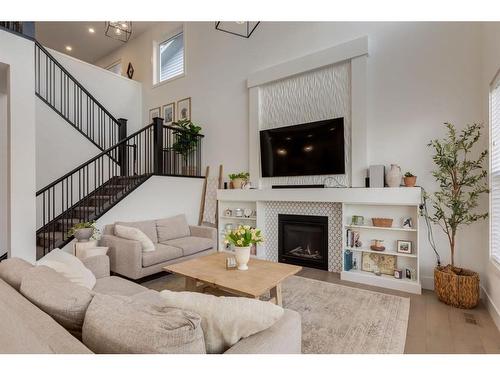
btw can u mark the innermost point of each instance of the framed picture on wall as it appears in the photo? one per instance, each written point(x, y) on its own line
point(184, 109)
point(154, 112)
point(168, 113)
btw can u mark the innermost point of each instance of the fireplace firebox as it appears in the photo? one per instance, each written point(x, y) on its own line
point(303, 240)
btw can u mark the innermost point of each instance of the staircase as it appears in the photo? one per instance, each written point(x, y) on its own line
point(124, 163)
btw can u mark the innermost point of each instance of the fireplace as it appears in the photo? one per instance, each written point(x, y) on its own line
point(303, 240)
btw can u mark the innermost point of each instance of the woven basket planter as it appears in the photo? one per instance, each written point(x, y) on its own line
point(458, 287)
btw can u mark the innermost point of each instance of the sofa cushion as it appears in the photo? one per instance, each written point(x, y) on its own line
point(191, 245)
point(69, 266)
point(62, 299)
point(126, 325)
point(162, 254)
point(24, 328)
point(131, 233)
point(117, 286)
point(171, 228)
point(148, 227)
point(13, 270)
point(225, 320)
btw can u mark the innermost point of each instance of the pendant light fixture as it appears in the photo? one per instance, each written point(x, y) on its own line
point(119, 30)
point(239, 28)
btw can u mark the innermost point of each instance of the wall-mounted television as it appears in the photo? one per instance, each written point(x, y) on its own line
point(315, 148)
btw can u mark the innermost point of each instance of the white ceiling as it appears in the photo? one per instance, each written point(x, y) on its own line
point(85, 46)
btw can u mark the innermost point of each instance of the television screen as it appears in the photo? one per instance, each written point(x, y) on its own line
point(315, 148)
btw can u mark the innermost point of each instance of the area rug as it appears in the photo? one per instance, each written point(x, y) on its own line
point(337, 318)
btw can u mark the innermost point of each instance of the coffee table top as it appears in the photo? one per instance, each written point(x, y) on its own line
point(261, 276)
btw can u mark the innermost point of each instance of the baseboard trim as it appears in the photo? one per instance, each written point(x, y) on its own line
point(492, 308)
point(427, 282)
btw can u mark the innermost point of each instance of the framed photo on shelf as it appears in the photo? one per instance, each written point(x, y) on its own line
point(184, 109)
point(168, 113)
point(154, 112)
point(404, 247)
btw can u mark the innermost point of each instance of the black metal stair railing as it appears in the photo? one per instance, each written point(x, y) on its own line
point(55, 86)
point(91, 189)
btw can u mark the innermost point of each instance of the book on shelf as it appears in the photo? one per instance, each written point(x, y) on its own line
point(352, 238)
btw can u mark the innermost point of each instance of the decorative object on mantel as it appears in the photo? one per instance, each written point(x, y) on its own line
point(186, 135)
point(84, 231)
point(378, 245)
point(357, 220)
point(238, 180)
point(242, 238)
point(119, 30)
point(407, 223)
point(393, 176)
point(382, 222)
point(404, 247)
point(410, 179)
point(239, 28)
point(462, 180)
point(376, 175)
point(130, 70)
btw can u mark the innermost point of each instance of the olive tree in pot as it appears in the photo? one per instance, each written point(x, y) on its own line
point(186, 140)
point(462, 180)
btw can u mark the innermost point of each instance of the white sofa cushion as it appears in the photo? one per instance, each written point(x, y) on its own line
point(225, 320)
point(148, 227)
point(69, 266)
point(131, 233)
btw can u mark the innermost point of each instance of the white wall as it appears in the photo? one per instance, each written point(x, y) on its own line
point(18, 54)
point(59, 146)
point(157, 198)
point(419, 75)
point(121, 96)
point(4, 171)
point(490, 67)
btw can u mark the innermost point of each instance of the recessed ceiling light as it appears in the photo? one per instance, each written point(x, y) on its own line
point(69, 48)
point(91, 30)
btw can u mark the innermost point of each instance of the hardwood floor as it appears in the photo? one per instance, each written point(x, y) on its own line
point(434, 327)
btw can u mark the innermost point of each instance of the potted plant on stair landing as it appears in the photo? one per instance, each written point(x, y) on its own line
point(186, 136)
point(462, 180)
point(242, 238)
point(239, 180)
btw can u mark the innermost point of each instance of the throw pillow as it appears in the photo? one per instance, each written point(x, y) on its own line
point(141, 324)
point(225, 320)
point(69, 266)
point(131, 233)
point(65, 301)
point(12, 271)
point(172, 228)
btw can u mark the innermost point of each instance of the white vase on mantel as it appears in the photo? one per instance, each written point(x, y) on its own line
point(393, 176)
point(242, 255)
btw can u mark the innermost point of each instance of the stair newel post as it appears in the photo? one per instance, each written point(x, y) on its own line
point(122, 150)
point(158, 145)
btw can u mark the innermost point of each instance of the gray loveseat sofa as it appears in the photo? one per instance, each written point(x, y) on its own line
point(26, 328)
point(174, 241)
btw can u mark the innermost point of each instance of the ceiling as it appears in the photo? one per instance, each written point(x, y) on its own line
point(85, 46)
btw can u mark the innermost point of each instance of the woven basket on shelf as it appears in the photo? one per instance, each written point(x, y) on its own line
point(382, 222)
point(458, 287)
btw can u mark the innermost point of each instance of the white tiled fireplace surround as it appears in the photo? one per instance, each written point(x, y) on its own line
point(329, 209)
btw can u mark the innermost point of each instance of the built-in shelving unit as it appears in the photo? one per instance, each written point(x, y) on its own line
point(395, 203)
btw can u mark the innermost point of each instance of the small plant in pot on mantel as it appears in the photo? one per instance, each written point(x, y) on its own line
point(410, 179)
point(242, 238)
point(83, 232)
point(239, 179)
point(462, 180)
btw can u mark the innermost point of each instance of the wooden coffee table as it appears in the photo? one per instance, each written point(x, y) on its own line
point(210, 271)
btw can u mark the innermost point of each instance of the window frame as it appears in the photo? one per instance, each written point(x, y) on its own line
point(156, 57)
point(494, 85)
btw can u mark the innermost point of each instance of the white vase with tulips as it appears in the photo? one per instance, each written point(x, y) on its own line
point(242, 238)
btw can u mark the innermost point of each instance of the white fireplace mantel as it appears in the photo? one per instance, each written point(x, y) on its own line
point(375, 196)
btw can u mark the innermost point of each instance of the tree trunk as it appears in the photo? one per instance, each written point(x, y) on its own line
point(452, 248)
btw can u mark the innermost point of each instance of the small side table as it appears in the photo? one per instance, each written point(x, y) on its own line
point(87, 249)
